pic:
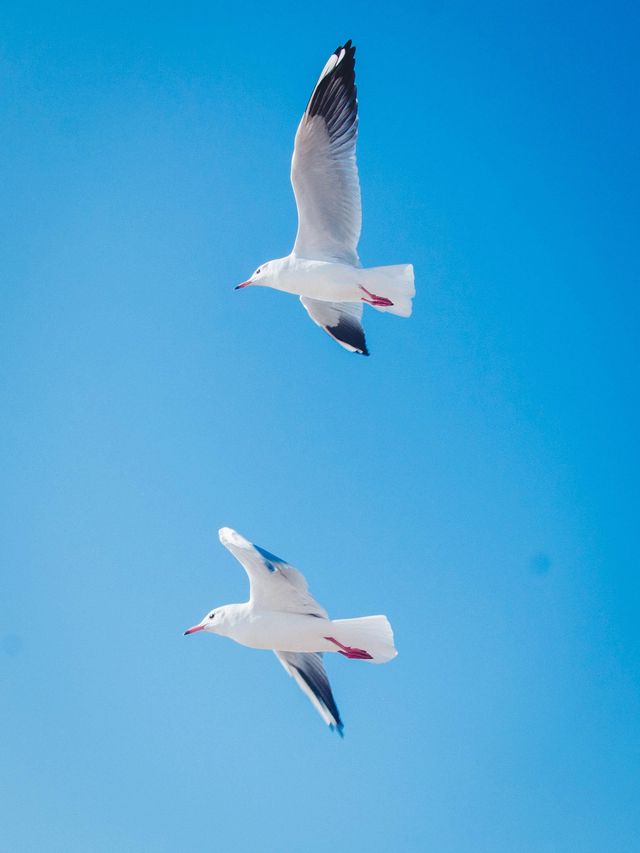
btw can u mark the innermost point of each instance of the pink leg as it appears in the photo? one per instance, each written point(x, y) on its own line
point(374, 300)
point(349, 651)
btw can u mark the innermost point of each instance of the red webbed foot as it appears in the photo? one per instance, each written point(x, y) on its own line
point(380, 301)
point(349, 651)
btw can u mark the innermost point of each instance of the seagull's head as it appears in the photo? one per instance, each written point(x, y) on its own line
point(260, 276)
point(213, 622)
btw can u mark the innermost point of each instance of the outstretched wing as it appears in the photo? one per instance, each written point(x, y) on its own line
point(273, 583)
point(324, 173)
point(309, 672)
point(341, 320)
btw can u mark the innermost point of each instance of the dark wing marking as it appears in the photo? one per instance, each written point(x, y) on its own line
point(335, 97)
point(309, 672)
point(341, 320)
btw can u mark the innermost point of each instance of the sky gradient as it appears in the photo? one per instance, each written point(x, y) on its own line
point(476, 479)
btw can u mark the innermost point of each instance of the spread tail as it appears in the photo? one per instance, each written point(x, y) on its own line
point(372, 634)
point(394, 283)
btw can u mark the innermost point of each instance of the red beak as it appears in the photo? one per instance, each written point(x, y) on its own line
point(194, 629)
point(240, 286)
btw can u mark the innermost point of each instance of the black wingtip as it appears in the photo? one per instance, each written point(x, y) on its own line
point(349, 331)
point(349, 49)
point(335, 95)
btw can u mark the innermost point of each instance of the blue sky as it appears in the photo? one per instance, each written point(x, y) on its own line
point(475, 479)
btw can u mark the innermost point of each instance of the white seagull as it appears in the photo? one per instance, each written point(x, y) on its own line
point(324, 268)
point(281, 615)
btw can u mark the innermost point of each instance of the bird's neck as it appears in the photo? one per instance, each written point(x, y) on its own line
point(277, 276)
point(233, 615)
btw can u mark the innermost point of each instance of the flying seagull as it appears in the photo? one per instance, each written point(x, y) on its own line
point(324, 268)
point(281, 615)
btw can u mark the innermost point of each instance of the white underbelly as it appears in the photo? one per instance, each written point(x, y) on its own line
point(289, 632)
point(322, 280)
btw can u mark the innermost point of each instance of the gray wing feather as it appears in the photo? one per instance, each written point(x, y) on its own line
point(324, 173)
point(274, 584)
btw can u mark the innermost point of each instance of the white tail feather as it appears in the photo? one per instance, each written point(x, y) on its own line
point(371, 633)
point(395, 283)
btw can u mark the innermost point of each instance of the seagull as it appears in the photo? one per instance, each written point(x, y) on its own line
point(281, 615)
point(324, 269)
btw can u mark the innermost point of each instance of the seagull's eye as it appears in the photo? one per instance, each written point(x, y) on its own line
point(211, 615)
point(258, 271)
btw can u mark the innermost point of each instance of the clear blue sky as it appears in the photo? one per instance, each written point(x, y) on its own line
point(475, 479)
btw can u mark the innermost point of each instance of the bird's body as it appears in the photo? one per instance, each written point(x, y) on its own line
point(326, 280)
point(281, 615)
point(292, 632)
point(324, 268)
point(269, 629)
point(333, 281)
